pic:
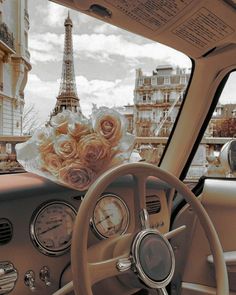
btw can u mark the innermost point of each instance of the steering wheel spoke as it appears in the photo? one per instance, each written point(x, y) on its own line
point(109, 258)
point(162, 291)
point(171, 234)
point(141, 216)
point(104, 269)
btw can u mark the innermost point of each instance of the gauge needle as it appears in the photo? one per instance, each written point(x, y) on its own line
point(108, 216)
point(50, 228)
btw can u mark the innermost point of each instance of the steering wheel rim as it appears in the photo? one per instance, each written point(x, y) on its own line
point(82, 271)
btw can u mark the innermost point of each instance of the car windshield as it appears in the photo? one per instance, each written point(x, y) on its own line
point(143, 80)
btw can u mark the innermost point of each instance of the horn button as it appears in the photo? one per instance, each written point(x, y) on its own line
point(153, 258)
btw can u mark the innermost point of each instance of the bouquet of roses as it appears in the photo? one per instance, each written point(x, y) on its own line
point(74, 151)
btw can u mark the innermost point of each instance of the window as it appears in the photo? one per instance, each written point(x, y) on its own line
point(166, 97)
point(154, 81)
point(166, 80)
point(140, 82)
point(182, 79)
point(147, 81)
point(117, 73)
point(147, 97)
point(221, 129)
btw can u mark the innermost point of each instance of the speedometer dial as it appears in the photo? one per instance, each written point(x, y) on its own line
point(110, 216)
point(51, 227)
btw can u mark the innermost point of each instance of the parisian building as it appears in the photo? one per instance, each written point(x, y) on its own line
point(14, 64)
point(157, 99)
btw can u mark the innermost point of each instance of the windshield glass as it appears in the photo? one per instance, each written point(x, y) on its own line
point(143, 80)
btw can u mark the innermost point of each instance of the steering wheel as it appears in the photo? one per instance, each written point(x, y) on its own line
point(145, 253)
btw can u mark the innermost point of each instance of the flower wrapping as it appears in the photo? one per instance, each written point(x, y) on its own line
point(74, 150)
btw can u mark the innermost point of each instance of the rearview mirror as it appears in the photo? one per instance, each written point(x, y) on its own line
point(228, 157)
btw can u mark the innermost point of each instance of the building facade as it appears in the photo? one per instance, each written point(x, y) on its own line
point(14, 64)
point(157, 99)
point(223, 122)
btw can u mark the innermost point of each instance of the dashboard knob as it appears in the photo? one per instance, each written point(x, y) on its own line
point(44, 275)
point(30, 280)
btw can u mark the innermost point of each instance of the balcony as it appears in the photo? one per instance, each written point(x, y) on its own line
point(146, 121)
point(6, 40)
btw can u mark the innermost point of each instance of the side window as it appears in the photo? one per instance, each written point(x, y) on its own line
point(221, 129)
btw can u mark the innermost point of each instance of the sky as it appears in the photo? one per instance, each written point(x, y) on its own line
point(105, 59)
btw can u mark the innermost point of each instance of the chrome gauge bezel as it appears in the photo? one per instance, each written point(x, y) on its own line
point(33, 235)
point(92, 223)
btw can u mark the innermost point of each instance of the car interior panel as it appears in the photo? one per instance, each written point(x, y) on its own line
point(154, 249)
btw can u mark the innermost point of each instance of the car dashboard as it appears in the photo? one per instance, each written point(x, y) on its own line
point(36, 222)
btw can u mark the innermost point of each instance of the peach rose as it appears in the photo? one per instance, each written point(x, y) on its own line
point(68, 162)
point(66, 147)
point(46, 147)
point(52, 163)
point(65, 116)
point(44, 138)
point(94, 150)
point(77, 176)
point(77, 130)
point(43, 134)
point(109, 124)
point(62, 128)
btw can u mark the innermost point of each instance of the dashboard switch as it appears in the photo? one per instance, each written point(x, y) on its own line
point(30, 280)
point(45, 275)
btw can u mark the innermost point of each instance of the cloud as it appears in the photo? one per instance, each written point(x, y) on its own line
point(229, 92)
point(107, 46)
point(103, 93)
point(106, 29)
point(46, 47)
point(42, 94)
point(118, 45)
point(55, 14)
point(100, 92)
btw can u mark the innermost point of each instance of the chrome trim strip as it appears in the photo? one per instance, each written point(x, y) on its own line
point(144, 217)
point(124, 264)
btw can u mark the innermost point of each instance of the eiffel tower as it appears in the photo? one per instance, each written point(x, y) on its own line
point(67, 98)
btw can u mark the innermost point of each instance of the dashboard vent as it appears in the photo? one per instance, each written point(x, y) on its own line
point(153, 204)
point(6, 231)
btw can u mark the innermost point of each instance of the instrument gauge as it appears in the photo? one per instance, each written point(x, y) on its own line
point(51, 227)
point(110, 216)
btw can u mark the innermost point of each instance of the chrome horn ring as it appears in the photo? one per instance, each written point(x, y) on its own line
point(153, 258)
